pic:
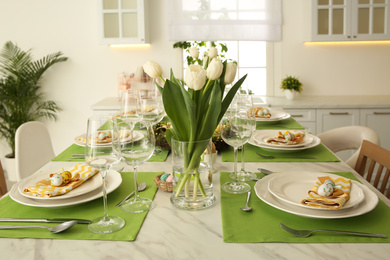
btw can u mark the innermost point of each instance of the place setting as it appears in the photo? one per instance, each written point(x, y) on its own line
point(302, 193)
point(283, 146)
point(279, 199)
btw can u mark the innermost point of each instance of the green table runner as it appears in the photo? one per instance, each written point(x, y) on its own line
point(262, 223)
point(76, 149)
point(89, 210)
point(320, 151)
point(289, 123)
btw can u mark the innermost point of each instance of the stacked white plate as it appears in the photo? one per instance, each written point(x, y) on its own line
point(286, 190)
point(276, 116)
point(260, 137)
point(137, 135)
point(88, 191)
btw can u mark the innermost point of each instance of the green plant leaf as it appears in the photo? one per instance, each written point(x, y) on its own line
point(210, 120)
point(180, 109)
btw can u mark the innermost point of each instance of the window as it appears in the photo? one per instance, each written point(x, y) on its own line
point(251, 57)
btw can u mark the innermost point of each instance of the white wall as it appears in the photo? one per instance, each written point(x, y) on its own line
point(90, 74)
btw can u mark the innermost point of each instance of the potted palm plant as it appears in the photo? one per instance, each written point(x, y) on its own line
point(291, 85)
point(21, 98)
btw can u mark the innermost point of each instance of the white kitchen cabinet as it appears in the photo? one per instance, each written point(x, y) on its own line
point(306, 117)
point(378, 120)
point(333, 118)
point(122, 22)
point(350, 20)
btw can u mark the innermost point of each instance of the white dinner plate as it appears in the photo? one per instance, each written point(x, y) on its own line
point(263, 136)
point(289, 188)
point(114, 179)
point(88, 186)
point(369, 203)
point(137, 135)
point(316, 141)
point(276, 116)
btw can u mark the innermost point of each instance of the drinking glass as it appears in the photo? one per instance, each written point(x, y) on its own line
point(130, 109)
point(152, 107)
point(135, 146)
point(246, 102)
point(100, 155)
point(236, 129)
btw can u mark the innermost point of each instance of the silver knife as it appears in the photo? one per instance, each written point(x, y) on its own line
point(45, 220)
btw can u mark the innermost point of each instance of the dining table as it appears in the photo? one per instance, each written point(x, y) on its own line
point(221, 231)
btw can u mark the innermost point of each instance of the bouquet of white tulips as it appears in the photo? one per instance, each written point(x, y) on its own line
point(195, 111)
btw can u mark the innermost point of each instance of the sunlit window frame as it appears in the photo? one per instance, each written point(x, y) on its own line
point(270, 67)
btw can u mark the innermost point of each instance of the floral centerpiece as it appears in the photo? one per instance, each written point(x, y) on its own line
point(195, 108)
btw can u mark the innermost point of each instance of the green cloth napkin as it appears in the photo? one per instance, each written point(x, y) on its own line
point(320, 151)
point(89, 210)
point(76, 149)
point(289, 123)
point(262, 223)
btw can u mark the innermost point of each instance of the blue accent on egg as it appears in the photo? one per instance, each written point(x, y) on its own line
point(164, 176)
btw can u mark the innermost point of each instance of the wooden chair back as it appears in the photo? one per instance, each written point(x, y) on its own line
point(378, 167)
point(3, 184)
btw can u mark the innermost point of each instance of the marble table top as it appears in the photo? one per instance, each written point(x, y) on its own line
point(160, 236)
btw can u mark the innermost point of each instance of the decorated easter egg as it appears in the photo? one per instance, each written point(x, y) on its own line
point(170, 178)
point(56, 179)
point(326, 189)
point(164, 177)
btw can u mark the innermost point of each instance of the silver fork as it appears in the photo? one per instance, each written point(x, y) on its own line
point(307, 233)
point(286, 156)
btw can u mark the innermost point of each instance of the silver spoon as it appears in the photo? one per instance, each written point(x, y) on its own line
point(56, 229)
point(141, 187)
point(247, 208)
point(262, 170)
point(265, 171)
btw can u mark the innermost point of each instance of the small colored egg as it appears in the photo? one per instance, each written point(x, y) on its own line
point(325, 189)
point(56, 179)
point(164, 177)
point(170, 178)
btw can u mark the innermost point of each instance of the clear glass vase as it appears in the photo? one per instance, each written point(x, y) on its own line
point(192, 176)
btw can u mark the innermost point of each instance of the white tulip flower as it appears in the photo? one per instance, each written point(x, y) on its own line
point(213, 52)
point(195, 77)
point(153, 69)
point(214, 70)
point(230, 73)
point(194, 52)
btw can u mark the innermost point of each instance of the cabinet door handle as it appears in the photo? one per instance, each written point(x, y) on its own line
point(381, 113)
point(297, 115)
point(338, 113)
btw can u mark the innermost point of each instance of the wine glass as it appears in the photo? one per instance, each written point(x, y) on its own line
point(236, 129)
point(152, 109)
point(131, 106)
point(135, 146)
point(100, 155)
point(245, 101)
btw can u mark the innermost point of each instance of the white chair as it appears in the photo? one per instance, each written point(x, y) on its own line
point(33, 148)
point(3, 184)
point(348, 138)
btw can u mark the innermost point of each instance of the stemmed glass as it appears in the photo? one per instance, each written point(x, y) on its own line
point(152, 109)
point(100, 155)
point(135, 145)
point(131, 106)
point(246, 102)
point(236, 129)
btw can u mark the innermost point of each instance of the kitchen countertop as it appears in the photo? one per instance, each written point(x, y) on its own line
point(113, 103)
point(330, 102)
